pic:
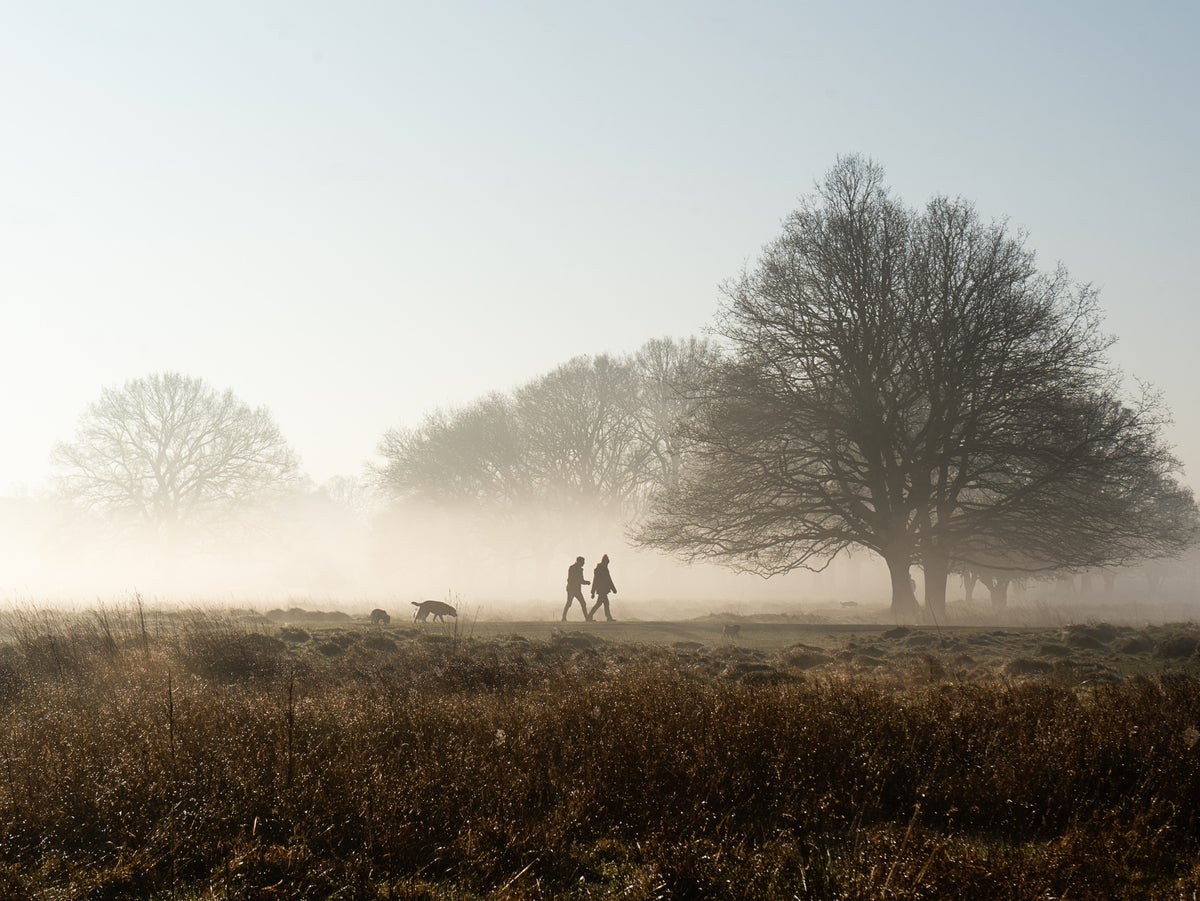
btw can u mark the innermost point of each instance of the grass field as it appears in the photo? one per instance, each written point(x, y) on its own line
point(205, 754)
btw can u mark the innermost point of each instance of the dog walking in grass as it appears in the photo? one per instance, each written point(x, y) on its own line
point(438, 610)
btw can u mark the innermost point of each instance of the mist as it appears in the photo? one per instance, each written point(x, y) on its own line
point(318, 552)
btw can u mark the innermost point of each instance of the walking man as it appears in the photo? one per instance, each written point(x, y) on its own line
point(575, 583)
point(602, 587)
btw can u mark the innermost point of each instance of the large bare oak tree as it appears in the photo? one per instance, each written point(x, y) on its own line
point(910, 382)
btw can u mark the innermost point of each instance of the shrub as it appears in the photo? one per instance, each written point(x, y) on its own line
point(231, 657)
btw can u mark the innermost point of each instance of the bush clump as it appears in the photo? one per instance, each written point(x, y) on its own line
point(232, 657)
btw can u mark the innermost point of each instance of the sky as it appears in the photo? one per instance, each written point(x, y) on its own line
point(354, 213)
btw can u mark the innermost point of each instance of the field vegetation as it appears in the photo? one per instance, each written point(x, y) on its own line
point(235, 756)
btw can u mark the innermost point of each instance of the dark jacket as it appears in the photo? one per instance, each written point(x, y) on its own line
point(575, 577)
point(602, 582)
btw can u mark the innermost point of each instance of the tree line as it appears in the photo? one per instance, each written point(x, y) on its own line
point(598, 435)
point(904, 380)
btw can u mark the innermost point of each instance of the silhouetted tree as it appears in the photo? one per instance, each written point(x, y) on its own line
point(476, 455)
point(581, 443)
point(593, 436)
point(668, 375)
point(170, 450)
point(353, 494)
point(1124, 507)
point(907, 381)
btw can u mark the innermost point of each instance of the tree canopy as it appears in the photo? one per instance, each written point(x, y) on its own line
point(595, 434)
point(169, 450)
point(910, 382)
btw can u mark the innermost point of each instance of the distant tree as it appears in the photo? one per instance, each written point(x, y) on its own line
point(170, 450)
point(910, 382)
point(668, 375)
point(1121, 507)
point(475, 455)
point(580, 439)
point(593, 436)
point(996, 581)
point(353, 494)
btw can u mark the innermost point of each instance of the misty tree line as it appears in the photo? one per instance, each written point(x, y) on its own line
point(902, 380)
point(596, 436)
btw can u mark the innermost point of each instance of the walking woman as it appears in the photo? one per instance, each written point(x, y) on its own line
point(602, 587)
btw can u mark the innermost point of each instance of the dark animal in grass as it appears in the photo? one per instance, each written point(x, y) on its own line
point(380, 617)
point(731, 631)
point(436, 609)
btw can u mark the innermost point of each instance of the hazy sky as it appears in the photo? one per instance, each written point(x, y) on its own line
point(356, 212)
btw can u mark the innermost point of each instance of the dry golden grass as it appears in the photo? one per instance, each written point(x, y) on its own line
point(197, 756)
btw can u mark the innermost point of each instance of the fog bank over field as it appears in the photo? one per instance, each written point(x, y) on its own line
point(317, 554)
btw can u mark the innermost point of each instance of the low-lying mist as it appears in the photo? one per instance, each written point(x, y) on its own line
point(318, 554)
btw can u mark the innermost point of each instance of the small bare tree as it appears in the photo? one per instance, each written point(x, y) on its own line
point(169, 450)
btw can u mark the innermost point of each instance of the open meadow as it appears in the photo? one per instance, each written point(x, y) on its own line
point(299, 754)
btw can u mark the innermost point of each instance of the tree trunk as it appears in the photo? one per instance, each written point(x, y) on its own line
point(936, 567)
point(998, 589)
point(969, 579)
point(904, 599)
point(1110, 584)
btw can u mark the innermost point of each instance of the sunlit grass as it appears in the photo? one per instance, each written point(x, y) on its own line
point(193, 755)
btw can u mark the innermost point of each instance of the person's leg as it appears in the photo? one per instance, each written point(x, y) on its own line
point(567, 609)
point(607, 613)
point(591, 614)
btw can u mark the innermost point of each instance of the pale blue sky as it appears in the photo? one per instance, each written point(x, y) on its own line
point(356, 212)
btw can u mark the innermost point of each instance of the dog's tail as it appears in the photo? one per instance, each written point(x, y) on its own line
point(415, 603)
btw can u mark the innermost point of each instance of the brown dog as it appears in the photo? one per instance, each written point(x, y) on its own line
point(380, 617)
point(437, 609)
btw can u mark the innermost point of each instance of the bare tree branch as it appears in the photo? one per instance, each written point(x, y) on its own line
point(910, 382)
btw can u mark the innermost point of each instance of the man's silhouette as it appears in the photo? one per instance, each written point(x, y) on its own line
point(602, 587)
point(575, 583)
